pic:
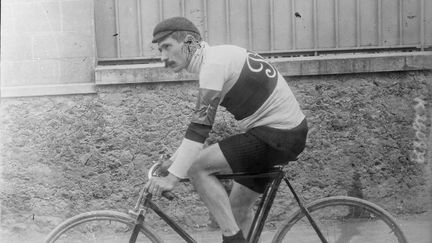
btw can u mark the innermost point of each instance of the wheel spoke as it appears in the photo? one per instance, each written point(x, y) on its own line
point(342, 219)
point(100, 226)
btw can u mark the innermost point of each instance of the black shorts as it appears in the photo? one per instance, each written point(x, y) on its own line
point(261, 148)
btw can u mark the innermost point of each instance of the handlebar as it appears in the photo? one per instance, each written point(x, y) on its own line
point(154, 172)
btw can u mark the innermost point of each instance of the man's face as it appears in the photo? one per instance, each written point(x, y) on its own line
point(173, 54)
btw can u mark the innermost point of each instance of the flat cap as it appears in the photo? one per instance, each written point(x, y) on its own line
point(168, 26)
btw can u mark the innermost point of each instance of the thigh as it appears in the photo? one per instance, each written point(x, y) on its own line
point(212, 160)
point(246, 153)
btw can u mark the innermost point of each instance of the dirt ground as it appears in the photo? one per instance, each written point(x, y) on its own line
point(63, 155)
point(415, 227)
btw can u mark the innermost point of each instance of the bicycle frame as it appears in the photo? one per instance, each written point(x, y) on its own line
point(260, 216)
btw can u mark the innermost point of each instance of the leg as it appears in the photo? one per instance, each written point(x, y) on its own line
point(242, 200)
point(210, 161)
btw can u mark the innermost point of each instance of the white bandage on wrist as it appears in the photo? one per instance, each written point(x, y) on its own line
point(184, 157)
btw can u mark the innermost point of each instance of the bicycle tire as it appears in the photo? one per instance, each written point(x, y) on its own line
point(115, 219)
point(318, 208)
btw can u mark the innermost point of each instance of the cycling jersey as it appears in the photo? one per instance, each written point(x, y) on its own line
point(246, 85)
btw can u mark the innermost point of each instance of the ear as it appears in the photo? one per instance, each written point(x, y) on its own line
point(189, 39)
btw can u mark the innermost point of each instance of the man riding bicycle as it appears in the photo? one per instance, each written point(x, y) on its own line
point(274, 127)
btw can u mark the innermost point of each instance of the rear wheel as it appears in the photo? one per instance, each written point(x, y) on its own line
point(341, 219)
point(100, 226)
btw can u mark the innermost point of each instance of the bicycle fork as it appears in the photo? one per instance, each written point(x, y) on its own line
point(137, 227)
point(149, 205)
point(140, 219)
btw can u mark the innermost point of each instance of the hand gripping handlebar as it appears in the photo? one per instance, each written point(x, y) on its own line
point(155, 172)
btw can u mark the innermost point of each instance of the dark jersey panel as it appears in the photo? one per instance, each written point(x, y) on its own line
point(204, 115)
point(256, 83)
point(206, 106)
point(198, 132)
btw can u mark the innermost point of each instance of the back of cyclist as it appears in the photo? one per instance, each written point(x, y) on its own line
point(274, 127)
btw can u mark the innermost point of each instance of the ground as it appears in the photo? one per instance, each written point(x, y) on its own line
point(62, 155)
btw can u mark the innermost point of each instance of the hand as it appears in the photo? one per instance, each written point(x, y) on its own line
point(163, 169)
point(157, 185)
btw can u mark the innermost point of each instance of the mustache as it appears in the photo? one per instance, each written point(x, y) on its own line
point(169, 63)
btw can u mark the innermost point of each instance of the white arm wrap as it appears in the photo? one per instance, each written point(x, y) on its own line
point(184, 157)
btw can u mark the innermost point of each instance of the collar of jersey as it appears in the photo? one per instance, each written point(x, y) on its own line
point(197, 58)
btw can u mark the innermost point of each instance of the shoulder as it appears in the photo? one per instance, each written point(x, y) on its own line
point(222, 54)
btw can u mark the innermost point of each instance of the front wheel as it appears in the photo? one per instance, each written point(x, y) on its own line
point(100, 226)
point(341, 219)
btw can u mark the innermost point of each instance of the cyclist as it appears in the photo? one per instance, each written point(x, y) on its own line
point(274, 127)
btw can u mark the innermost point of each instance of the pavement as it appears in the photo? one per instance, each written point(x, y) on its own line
point(418, 229)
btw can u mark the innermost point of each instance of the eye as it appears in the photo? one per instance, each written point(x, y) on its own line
point(164, 47)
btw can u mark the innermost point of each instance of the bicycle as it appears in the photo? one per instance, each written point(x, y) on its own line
point(333, 219)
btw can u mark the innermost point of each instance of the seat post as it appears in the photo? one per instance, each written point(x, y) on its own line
point(258, 211)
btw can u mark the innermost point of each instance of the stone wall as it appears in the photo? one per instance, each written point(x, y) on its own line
point(62, 155)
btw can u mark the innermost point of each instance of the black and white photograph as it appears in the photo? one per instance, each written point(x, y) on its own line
point(216, 121)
